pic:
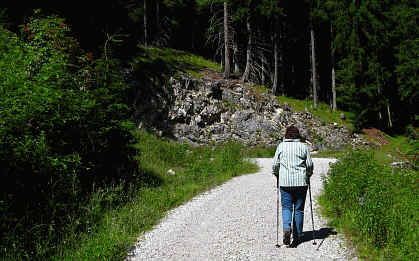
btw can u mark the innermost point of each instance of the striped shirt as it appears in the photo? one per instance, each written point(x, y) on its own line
point(292, 162)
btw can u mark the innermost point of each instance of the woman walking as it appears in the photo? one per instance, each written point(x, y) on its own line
point(293, 168)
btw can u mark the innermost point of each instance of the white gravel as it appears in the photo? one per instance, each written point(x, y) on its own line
point(237, 221)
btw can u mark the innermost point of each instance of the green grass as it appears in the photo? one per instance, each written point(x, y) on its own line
point(260, 151)
point(175, 60)
point(196, 170)
point(374, 206)
point(337, 154)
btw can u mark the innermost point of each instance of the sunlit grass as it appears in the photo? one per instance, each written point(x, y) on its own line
point(374, 206)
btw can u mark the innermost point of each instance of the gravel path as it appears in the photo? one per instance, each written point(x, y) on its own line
point(237, 221)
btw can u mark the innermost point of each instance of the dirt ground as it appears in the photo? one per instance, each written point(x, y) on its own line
point(376, 136)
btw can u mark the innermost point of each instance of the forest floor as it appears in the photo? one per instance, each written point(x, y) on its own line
point(376, 135)
point(219, 76)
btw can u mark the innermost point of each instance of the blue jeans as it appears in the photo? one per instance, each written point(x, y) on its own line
point(293, 196)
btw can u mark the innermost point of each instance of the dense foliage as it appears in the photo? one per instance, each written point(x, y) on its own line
point(63, 131)
point(376, 204)
point(376, 54)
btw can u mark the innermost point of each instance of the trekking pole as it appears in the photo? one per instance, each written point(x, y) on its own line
point(277, 213)
point(311, 207)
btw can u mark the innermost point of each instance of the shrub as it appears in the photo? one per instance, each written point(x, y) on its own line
point(63, 130)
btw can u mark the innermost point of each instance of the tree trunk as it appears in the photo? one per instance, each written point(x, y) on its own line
point(220, 35)
point(245, 76)
point(293, 76)
point(275, 80)
point(236, 56)
point(226, 41)
point(390, 123)
point(377, 80)
point(158, 26)
point(264, 61)
point(145, 23)
point(281, 58)
point(313, 66)
point(356, 49)
point(334, 107)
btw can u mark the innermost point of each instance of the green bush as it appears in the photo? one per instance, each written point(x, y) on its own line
point(379, 204)
point(63, 130)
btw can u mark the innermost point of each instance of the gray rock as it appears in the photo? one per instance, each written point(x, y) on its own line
point(203, 111)
point(214, 90)
point(400, 164)
point(286, 106)
point(241, 116)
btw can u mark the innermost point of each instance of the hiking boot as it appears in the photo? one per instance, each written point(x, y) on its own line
point(295, 242)
point(287, 237)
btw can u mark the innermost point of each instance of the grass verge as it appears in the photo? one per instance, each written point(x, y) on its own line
point(331, 153)
point(374, 206)
point(259, 151)
point(195, 171)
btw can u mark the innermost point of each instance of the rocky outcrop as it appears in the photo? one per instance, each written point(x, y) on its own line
point(204, 111)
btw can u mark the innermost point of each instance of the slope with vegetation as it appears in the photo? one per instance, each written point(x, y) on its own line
point(78, 180)
point(64, 133)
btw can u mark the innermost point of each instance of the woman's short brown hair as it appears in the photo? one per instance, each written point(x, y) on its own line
point(292, 132)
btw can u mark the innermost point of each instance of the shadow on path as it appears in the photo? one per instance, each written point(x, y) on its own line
point(320, 234)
